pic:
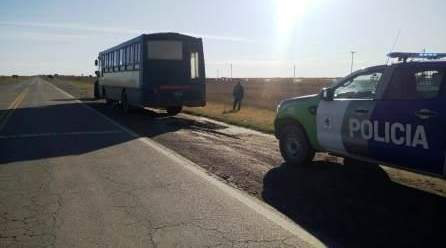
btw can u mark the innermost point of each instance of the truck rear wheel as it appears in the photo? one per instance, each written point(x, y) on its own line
point(294, 146)
point(174, 110)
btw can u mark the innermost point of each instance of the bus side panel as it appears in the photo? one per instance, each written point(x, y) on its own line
point(114, 83)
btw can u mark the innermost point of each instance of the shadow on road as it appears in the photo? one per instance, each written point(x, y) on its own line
point(348, 206)
point(55, 130)
point(89, 99)
point(70, 129)
point(151, 123)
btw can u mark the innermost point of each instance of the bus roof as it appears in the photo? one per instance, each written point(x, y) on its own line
point(154, 36)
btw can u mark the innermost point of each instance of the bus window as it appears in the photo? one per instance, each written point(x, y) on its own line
point(194, 65)
point(128, 55)
point(132, 50)
point(121, 58)
point(107, 60)
point(165, 50)
point(137, 54)
point(115, 60)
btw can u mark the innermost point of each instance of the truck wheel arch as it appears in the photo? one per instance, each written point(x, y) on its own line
point(287, 121)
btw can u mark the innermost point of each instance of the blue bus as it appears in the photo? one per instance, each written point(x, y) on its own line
point(160, 70)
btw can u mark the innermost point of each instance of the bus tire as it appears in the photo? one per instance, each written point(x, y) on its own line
point(96, 90)
point(124, 102)
point(174, 110)
point(294, 146)
point(108, 101)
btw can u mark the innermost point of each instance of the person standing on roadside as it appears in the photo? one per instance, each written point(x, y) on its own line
point(238, 93)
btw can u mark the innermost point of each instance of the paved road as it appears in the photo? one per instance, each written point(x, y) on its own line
point(69, 177)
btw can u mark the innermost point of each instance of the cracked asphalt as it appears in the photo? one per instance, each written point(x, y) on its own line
point(71, 178)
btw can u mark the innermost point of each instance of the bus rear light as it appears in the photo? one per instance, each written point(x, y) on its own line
point(174, 87)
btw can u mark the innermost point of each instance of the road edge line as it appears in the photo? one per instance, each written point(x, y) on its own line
point(4, 118)
point(255, 204)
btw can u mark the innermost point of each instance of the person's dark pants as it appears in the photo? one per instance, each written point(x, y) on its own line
point(237, 104)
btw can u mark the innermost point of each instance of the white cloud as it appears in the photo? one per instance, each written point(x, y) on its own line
point(111, 30)
point(42, 36)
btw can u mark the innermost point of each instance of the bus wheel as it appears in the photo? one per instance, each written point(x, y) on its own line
point(104, 95)
point(96, 90)
point(294, 146)
point(174, 110)
point(124, 102)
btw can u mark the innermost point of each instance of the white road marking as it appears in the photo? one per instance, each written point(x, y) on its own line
point(253, 203)
point(34, 135)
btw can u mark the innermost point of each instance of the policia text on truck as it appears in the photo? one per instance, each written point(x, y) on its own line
point(389, 114)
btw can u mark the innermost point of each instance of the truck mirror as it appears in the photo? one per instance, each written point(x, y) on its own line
point(96, 62)
point(97, 73)
point(327, 94)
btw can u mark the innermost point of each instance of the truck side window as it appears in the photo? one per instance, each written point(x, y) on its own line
point(428, 83)
point(415, 83)
point(360, 87)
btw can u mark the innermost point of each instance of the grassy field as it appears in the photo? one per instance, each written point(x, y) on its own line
point(261, 99)
point(264, 93)
point(250, 117)
point(5, 79)
point(83, 84)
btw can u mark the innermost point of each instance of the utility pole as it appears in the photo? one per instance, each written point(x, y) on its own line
point(231, 71)
point(353, 57)
point(218, 73)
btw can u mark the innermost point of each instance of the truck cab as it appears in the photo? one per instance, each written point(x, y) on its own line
point(389, 114)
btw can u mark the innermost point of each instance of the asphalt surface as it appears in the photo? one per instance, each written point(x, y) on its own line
point(70, 177)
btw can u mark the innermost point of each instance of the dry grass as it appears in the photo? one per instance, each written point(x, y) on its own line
point(264, 93)
point(261, 99)
point(250, 117)
point(84, 85)
point(9, 79)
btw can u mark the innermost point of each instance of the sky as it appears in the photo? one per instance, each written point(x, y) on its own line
point(260, 38)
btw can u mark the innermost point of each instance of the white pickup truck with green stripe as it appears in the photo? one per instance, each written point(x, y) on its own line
point(389, 114)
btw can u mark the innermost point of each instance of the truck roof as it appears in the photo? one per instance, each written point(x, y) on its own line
point(423, 57)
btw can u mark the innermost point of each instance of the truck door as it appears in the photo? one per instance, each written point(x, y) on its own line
point(340, 121)
point(411, 118)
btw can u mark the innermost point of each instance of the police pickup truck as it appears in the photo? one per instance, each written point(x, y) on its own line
point(390, 114)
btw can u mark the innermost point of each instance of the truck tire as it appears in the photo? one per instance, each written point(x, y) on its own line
point(294, 146)
point(174, 110)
